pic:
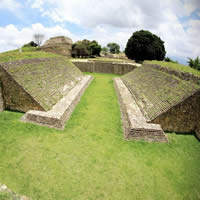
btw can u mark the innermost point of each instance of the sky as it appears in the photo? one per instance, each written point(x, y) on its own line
point(176, 22)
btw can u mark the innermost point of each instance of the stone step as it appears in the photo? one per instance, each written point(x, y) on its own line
point(134, 123)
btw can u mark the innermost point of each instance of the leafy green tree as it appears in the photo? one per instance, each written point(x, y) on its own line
point(194, 63)
point(86, 48)
point(143, 45)
point(30, 44)
point(113, 47)
point(79, 49)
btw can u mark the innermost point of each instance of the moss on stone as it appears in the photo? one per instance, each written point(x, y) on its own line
point(156, 91)
point(45, 78)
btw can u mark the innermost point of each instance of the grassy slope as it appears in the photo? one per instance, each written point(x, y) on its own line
point(27, 53)
point(90, 159)
point(175, 66)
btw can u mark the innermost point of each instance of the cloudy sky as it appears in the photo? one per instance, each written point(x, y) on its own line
point(177, 22)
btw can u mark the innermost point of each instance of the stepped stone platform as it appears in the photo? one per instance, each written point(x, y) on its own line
point(135, 125)
point(37, 84)
point(165, 99)
point(60, 45)
point(118, 68)
point(61, 112)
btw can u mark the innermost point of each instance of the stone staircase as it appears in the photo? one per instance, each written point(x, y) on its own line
point(1, 100)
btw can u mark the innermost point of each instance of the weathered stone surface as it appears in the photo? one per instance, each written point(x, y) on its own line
point(134, 123)
point(165, 99)
point(119, 68)
point(37, 84)
point(182, 75)
point(1, 100)
point(9, 194)
point(61, 112)
point(60, 45)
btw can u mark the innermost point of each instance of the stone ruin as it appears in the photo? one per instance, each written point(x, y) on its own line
point(152, 100)
point(47, 89)
point(59, 45)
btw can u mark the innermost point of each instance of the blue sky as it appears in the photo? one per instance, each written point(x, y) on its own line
point(177, 22)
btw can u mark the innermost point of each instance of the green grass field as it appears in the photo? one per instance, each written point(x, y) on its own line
point(90, 160)
point(175, 66)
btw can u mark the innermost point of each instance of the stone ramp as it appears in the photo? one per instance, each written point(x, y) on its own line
point(61, 112)
point(1, 100)
point(37, 84)
point(156, 91)
point(134, 123)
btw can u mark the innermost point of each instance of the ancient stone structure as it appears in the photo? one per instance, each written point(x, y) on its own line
point(61, 112)
point(1, 100)
point(135, 125)
point(60, 45)
point(163, 99)
point(6, 193)
point(118, 68)
point(37, 84)
point(48, 89)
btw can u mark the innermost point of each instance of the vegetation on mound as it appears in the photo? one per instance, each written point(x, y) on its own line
point(91, 160)
point(174, 66)
point(27, 53)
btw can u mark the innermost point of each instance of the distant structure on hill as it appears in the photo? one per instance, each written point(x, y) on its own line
point(60, 45)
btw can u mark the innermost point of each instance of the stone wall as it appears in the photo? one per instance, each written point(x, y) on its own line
point(183, 117)
point(118, 68)
point(182, 75)
point(15, 97)
point(37, 84)
point(1, 100)
point(61, 112)
point(134, 123)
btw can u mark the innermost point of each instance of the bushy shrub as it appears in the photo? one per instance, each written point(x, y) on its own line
point(143, 45)
point(194, 63)
point(86, 48)
point(30, 44)
point(113, 48)
point(167, 59)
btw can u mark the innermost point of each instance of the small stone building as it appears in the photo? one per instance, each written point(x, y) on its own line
point(59, 45)
point(36, 84)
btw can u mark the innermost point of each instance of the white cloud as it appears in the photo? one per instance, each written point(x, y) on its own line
point(12, 37)
point(11, 5)
point(116, 20)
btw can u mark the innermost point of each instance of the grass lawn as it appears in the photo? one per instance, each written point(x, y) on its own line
point(175, 66)
point(90, 160)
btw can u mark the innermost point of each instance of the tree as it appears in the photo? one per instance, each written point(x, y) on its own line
point(38, 38)
point(30, 44)
point(79, 49)
point(113, 47)
point(86, 48)
point(104, 49)
point(143, 45)
point(194, 63)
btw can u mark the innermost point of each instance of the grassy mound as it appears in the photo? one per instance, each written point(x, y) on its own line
point(175, 66)
point(27, 53)
point(90, 159)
